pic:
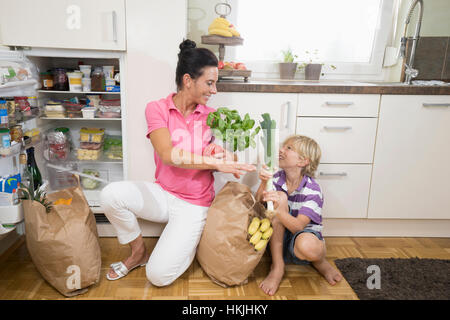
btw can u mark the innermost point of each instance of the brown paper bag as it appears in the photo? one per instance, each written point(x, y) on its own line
point(63, 243)
point(224, 252)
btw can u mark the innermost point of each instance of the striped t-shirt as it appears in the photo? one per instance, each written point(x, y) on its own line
point(307, 199)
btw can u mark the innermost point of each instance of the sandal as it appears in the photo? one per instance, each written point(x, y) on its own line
point(121, 270)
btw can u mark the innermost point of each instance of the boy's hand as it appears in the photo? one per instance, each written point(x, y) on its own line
point(279, 199)
point(265, 174)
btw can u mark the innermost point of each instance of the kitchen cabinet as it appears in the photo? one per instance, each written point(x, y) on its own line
point(281, 107)
point(345, 188)
point(344, 126)
point(75, 24)
point(411, 173)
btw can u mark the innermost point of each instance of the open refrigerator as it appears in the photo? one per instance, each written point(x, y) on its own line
point(94, 171)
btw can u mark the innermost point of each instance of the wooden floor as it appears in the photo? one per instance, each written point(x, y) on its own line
point(19, 278)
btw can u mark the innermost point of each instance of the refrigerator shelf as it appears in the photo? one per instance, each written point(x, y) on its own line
point(78, 92)
point(83, 119)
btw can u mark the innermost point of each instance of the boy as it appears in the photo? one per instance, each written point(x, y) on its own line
point(298, 201)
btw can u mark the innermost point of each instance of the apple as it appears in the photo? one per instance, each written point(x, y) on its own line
point(220, 65)
point(240, 66)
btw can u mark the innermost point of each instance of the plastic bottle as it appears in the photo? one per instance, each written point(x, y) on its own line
point(3, 114)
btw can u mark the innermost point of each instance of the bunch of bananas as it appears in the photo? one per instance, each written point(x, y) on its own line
point(260, 230)
point(222, 27)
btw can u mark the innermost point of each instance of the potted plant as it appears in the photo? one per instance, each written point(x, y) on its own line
point(288, 67)
point(313, 68)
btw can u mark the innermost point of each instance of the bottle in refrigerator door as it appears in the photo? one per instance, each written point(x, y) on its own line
point(33, 169)
point(4, 121)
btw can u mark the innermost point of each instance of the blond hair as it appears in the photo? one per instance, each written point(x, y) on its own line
point(306, 148)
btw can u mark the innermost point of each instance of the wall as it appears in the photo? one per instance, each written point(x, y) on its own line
point(154, 31)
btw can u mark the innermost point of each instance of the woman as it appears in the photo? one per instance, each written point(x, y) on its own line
point(184, 186)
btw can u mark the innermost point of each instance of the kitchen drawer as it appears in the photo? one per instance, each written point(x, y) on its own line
point(342, 140)
point(345, 188)
point(338, 105)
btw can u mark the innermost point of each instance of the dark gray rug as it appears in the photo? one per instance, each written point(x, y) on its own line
point(397, 279)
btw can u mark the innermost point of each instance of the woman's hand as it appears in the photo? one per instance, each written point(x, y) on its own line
point(237, 169)
point(279, 199)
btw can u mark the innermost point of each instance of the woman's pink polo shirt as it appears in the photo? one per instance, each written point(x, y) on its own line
point(191, 134)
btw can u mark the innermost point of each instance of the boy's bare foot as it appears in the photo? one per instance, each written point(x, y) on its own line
point(328, 271)
point(271, 283)
point(137, 258)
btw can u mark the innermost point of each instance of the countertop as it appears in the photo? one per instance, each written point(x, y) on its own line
point(330, 86)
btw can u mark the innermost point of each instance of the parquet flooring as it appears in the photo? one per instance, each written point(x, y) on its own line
point(19, 279)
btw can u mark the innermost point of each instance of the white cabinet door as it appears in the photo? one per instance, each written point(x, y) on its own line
point(71, 24)
point(345, 188)
point(281, 107)
point(411, 171)
point(342, 140)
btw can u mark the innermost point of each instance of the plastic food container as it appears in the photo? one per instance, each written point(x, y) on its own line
point(113, 147)
point(108, 72)
point(73, 110)
point(86, 82)
point(85, 154)
point(90, 145)
point(88, 112)
point(86, 70)
point(88, 183)
point(75, 81)
point(92, 135)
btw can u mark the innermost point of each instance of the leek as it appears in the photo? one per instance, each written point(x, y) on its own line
point(270, 157)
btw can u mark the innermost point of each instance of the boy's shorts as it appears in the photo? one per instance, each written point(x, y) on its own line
point(288, 246)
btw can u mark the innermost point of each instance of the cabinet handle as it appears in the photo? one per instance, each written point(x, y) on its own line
point(114, 25)
point(436, 104)
point(337, 103)
point(341, 174)
point(337, 128)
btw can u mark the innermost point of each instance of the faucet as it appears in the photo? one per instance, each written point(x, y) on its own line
point(410, 72)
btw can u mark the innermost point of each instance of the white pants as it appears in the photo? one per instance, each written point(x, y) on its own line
point(125, 201)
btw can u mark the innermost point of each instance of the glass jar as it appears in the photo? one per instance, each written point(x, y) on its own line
point(16, 133)
point(98, 80)
point(47, 81)
point(60, 80)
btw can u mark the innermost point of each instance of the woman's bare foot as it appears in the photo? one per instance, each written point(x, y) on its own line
point(328, 271)
point(271, 283)
point(138, 256)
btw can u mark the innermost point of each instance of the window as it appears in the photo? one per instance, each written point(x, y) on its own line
point(350, 34)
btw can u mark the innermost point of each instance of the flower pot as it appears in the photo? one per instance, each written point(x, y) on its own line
point(313, 71)
point(287, 70)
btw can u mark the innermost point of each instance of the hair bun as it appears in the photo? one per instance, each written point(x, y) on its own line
point(187, 44)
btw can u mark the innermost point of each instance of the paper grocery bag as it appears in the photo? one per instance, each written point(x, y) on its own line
point(224, 252)
point(63, 243)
